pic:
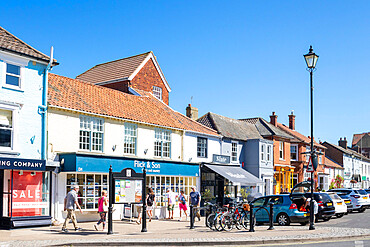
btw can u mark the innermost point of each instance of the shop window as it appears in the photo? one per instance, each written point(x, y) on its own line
point(13, 75)
point(91, 133)
point(202, 147)
point(157, 92)
point(162, 143)
point(26, 193)
point(281, 150)
point(294, 152)
point(91, 187)
point(234, 151)
point(129, 146)
point(6, 128)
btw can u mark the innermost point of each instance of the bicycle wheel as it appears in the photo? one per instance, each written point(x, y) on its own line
point(210, 220)
point(245, 222)
point(226, 222)
point(238, 222)
point(217, 222)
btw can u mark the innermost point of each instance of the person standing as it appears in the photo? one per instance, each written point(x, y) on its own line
point(70, 203)
point(150, 202)
point(171, 197)
point(195, 200)
point(102, 209)
point(182, 204)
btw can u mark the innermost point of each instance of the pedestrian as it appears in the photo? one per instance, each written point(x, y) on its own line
point(70, 203)
point(150, 202)
point(171, 199)
point(182, 205)
point(195, 200)
point(315, 208)
point(102, 209)
point(139, 210)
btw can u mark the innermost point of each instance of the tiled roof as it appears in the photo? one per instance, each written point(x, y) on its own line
point(347, 151)
point(118, 69)
point(331, 163)
point(298, 136)
point(77, 95)
point(358, 137)
point(230, 128)
point(266, 129)
point(10, 43)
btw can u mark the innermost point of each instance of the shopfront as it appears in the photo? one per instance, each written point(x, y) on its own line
point(283, 178)
point(24, 193)
point(220, 182)
point(90, 173)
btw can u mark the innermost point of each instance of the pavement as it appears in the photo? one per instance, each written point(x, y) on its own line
point(173, 233)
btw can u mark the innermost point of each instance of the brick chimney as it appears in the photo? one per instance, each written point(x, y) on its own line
point(192, 112)
point(343, 143)
point(273, 119)
point(292, 120)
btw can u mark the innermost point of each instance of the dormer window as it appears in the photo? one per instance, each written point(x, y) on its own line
point(13, 75)
point(157, 92)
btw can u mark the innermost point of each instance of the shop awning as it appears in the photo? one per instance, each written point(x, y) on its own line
point(235, 174)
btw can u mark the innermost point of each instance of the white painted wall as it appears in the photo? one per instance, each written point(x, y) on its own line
point(190, 147)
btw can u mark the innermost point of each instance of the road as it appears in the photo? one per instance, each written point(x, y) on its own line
point(352, 220)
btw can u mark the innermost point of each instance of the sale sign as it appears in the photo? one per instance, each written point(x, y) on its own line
point(27, 194)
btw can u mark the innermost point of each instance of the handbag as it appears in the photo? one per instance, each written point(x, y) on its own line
point(105, 206)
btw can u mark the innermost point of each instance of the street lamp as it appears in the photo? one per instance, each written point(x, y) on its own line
point(311, 60)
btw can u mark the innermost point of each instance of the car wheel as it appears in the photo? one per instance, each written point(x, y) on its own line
point(361, 210)
point(283, 219)
point(326, 218)
point(339, 215)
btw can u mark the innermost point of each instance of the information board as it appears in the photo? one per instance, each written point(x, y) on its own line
point(128, 191)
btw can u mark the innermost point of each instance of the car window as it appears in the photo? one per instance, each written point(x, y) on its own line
point(334, 196)
point(276, 200)
point(325, 197)
point(259, 202)
point(361, 192)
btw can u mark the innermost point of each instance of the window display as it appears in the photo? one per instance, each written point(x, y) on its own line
point(91, 186)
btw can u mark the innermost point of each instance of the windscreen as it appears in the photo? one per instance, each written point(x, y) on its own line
point(334, 196)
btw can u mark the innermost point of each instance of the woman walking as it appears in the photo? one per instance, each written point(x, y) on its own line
point(182, 205)
point(102, 209)
point(150, 202)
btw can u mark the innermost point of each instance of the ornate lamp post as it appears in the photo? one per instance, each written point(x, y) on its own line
point(311, 60)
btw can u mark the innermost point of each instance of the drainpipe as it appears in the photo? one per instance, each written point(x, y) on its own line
point(43, 108)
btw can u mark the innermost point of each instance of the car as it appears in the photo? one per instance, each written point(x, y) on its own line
point(326, 207)
point(360, 202)
point(347, 200)
point(364, 195)
point(339, 204)
point(285, 211)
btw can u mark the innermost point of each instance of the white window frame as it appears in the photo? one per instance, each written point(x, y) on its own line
point(130, 138)
point(91, 126)
point(296, 152)
point(157, 92)
point(13, 109)
point(202, 148)
point(162, 137)
point(14, 75)
point(269, 153)
point(281, 150)
point(263, 150)
point(234, 151)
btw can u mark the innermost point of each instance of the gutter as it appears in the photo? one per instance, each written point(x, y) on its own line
point(42, 110)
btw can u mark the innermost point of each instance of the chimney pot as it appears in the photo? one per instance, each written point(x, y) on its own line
point(343, 142)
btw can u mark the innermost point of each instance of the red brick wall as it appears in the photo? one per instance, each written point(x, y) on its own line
point(121, 86)
point(277, 160)
point(148, 77)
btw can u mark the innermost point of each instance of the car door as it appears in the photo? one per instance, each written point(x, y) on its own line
point(278, 202)
point(259, 213)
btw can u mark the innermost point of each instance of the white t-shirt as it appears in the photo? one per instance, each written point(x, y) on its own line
point(172, 196)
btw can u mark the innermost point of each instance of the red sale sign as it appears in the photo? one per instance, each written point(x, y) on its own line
point(27, 194)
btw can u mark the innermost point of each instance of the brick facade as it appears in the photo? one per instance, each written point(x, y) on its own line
point(148, 77)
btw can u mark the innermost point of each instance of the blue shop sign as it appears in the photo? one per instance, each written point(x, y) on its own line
point(22, 164)
point(91, 163)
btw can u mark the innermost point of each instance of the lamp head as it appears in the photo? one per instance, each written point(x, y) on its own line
point(311, 58)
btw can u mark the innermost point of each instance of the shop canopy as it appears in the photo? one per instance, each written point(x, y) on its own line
point(235, 174)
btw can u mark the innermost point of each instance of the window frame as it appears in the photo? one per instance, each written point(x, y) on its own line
point(161, 133)
point(281, 150)
point(234, 151)
point(268, 155)
point(127, 129)
point(263, 150)
point(13, 110)
point(296, 152)
point(202, 148)
point(90, 129)
point(157, 90)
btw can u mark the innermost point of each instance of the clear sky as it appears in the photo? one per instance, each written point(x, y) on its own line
point(235, 58)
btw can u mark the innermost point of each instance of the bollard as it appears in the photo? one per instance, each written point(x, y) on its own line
point(191, 216)
point(271, 217)
point(251, 218)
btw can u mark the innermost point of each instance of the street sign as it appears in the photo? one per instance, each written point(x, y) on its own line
point(309, 166)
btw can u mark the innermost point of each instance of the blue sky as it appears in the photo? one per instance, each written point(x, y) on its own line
point(235, 58)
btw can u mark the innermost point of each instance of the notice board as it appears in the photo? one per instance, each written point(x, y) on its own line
point(128, 191)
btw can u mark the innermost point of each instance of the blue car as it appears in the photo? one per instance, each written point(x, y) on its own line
point(285, 210)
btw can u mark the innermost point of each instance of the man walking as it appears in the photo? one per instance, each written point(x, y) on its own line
point(70, 203)
point(171, 199)
point(195, 200)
